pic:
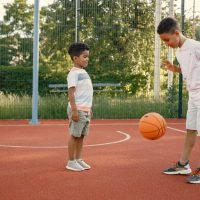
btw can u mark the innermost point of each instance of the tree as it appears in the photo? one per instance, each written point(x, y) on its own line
point(120, 34)
point(57, 33)
point(16, 33)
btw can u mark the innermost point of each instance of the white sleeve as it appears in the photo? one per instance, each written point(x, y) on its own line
point(72, 79)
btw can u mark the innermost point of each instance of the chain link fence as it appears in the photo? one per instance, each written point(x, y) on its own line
point(120, 34)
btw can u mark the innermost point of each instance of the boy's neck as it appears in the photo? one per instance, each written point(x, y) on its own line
point(78, 66)
point(182, 40)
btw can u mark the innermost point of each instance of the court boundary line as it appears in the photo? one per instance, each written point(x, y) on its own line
point(109, 124)
point(127, 137)
point(175, 129)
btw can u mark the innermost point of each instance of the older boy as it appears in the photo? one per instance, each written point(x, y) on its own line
point(188, 55)
point(80, 94)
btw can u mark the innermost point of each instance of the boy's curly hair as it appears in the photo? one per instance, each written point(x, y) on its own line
point(77, 48)
point(167, 25)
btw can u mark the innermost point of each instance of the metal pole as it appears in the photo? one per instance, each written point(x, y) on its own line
point(180, 112)
point(77, 33)
point(35, 63)
point(170, 50)
point(157, 52)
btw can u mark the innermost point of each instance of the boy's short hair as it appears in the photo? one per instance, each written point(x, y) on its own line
point(77, 48)
point(167, 25)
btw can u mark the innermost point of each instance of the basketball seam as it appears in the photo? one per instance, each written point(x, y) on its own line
point(162, 125)
point(151, 124)
point(158, 134)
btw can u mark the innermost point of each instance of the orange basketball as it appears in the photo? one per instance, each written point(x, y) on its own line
point(152, 126)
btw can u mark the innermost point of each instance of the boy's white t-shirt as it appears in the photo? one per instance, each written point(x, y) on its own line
point(189, 59)
point(80, 79)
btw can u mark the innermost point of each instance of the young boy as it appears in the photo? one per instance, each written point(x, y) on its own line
point(80, 95)
point(188, 55)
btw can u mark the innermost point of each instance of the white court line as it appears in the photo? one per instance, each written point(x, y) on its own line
point(31, 125)
point(127, 137)
point(175, 129)
point(110, 124)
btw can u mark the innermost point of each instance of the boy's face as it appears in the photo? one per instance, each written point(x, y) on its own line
point(171, 39)
point(82, 60)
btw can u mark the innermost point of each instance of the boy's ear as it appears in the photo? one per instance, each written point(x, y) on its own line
point(74, 58)
point(177, 32)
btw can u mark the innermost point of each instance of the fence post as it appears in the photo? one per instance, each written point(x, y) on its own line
point(157, 52)
point(77, 33)
point(35, 63)
point(180, 99)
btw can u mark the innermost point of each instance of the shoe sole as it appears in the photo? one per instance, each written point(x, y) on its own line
point(185, 172)
point(87, 168)
point(72, 169)
point(193, 182)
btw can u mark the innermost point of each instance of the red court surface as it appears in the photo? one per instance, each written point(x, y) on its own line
point(125, 166)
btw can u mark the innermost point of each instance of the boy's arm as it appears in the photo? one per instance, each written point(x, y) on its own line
point(91, 113)
point(71, 97)
point(171, 67)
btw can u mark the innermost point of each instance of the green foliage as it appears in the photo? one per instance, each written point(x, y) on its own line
point(54, 106)
point(197, 35)
point(119, 32)
point(172, 101)
point(16, 34)
point(18, 79)
point(15, 79)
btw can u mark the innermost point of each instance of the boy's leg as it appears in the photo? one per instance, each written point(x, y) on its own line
point(195, 176)
point(85, 131)
point(72, 143)
point(75, 133)
point(198, 135)
point(72, 163)
point(182, 166)
point(79, 147)
point(190, 140)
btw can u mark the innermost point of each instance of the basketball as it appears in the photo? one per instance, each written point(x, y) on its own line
point(152, 126)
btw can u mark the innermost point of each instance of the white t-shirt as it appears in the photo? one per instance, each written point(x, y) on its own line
point(189, 59)
point(80, 79)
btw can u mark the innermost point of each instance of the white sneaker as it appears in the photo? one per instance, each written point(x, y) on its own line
point(83, 164)
point(74, 166)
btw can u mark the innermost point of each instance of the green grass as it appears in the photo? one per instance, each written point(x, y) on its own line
point(15, 107)
point(104, 107)
point(133, 107)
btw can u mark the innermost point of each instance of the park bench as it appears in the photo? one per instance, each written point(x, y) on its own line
point(59, 88)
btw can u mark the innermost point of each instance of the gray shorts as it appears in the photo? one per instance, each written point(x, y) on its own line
point(77, 129)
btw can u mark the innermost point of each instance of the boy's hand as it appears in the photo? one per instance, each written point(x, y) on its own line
point(75, 116)
point(171, 67)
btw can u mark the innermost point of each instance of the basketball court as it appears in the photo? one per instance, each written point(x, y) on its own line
point(124, 164)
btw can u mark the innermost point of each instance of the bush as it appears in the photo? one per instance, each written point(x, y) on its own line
point(18, 79)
